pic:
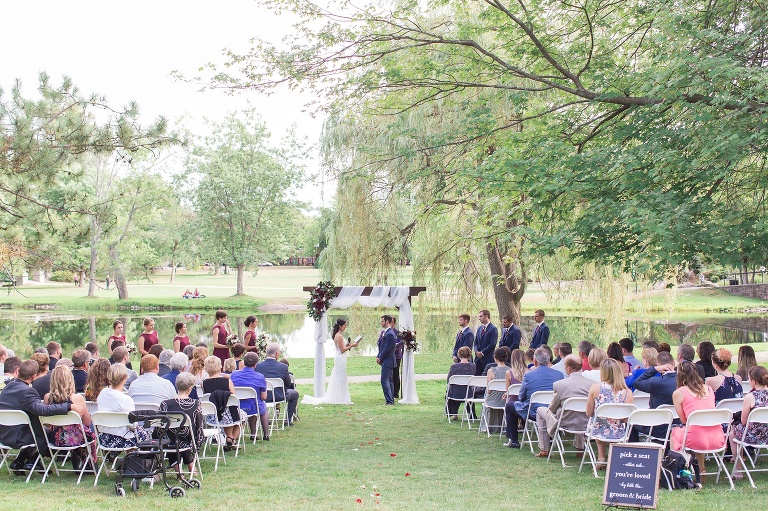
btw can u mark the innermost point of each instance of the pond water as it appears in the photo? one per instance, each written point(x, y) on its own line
point(23, 331)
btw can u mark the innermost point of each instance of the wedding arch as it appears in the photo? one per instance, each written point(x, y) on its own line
point(385, 296)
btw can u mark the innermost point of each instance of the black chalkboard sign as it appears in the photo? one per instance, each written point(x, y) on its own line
point(632, 477)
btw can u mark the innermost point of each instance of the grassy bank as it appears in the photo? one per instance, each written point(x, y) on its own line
point(367, 456)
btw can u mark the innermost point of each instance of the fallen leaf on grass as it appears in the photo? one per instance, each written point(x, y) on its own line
point(393, 455)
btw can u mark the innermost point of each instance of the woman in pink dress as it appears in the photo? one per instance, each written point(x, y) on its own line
point(181, 340)
point(692, 394)
point(148, 337)
point(219, 334)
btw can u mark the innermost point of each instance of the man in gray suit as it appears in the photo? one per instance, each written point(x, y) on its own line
point(575, 385)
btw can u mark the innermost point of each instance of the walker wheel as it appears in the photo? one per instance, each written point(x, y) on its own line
point(194, 483)
point(134, 485)
point(119, 490)
point(177, 492)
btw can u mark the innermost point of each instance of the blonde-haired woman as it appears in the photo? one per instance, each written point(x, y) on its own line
point(611, 389)
point(62, 391)
point(219, 381)
point(595, 359)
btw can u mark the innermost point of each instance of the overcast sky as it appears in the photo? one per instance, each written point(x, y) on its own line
point(127, 50)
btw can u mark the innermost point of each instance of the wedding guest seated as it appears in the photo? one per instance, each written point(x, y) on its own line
point(229, 366)
point(197, 365)
point(42, 381)
point(627, 347)
point(188, 439)
point(188, 350)
point(80, 359)
point(53, 349)
point(287, 364)
point(529, 354)
point(758, 398)
point(556, 356)
point(664, 346)
point(63, 391)
point(255, 408)
point(271, 368)
point(565, 349)
point(725, 384)
point(113, 399)
point(11, 370)
point(178, 365)
point(574, 385)
point(155, 350)
point(660, 382)
point(120, 355)
point(649, 360)
point(614, 351)
point(127, 363)
point(685, 352)
point(584, 347)
point(496, 398)
point(149, 387)
point(746, 361)
point(517, 371)
point(542, 377)
point(228, 417)
point(18, 394)
point(692, 395)
point(705, 350)
point(652, 344)
point(611, 389)
point(97, 379)
point(93, 349)
point(596, 357)
point(463, 367)
point(237, 355)
point(164, 359)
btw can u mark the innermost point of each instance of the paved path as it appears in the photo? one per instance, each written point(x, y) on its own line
point(373, 378)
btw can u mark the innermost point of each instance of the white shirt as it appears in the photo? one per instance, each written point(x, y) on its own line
point(592, 374)
point(111, 400)
point(150, 388)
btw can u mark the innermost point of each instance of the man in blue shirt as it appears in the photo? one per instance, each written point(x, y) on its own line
point(248, 377)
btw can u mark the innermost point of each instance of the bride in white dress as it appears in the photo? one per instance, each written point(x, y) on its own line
point(338, 389)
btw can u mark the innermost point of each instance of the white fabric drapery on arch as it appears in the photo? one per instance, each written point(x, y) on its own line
point(386, 296)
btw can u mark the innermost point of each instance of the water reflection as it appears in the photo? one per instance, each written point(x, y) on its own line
point(24, 331)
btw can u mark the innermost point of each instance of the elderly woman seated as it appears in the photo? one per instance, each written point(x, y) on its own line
point(189, 438)
point(229, 417)
point(113, 399)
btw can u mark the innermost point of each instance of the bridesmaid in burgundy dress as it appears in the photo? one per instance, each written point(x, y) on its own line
point(148, 337)
point(219, 333)
point(181, 340)
point(250, 339)
point(117, 335)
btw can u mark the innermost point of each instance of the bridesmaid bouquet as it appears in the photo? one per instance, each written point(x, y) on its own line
point(409, 340)
point(261, 343)
point(131, 347)
point(232, 340)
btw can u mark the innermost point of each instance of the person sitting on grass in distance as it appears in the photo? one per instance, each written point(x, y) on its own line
point(97, 379)
point(611, 389)
point(120, 355)
point(190, 438)
point(149, 387)
point(113, 399)
point(596, 357)
point(463, 367)
point(542, 377)
point(574, 385)
point(649, 360)
point(255, 408)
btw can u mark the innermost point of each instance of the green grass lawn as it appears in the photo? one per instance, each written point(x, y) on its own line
point(336, 455)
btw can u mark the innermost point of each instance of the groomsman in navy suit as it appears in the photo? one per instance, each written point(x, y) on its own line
point(541, 332)
point(485, 342)
point(465, 337)
point(386, 359)
point(510, 333)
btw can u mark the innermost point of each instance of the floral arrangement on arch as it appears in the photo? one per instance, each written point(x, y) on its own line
point(409, 340)
point(320, 299)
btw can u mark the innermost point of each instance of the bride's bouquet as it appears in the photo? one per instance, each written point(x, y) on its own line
point(409, 340)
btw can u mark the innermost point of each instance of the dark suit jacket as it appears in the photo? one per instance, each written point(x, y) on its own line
point(17, 395)
point(465, 338)
point(486, 344)
point(511, 338)
point(386, 352)
point(540, 336)
point(660, 388)
point(42, 385)
point(80, 378)
point(271, 368)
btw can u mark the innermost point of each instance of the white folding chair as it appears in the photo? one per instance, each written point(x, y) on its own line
point(571, 406)
point(711, 418)
point(17, 419)
point(108, 420)
point(279, 408)
point(474, 384)
point(151, 407)
point(92, 406)
point(530, 429)
point(250, 393)
point(746, 387)
point(650, 418)
point(734, 404)
point(757, 417)
point(493, 386)
point(671, 408)
point(641, 400)
point(212, 432)
point(612, 411)
point(234, 401)
point(457, 380)
point(72, 418)
point(512, 390)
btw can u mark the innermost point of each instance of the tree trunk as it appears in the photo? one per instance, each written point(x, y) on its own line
point(117, 271)
point(240, 274)
point(92, 328)
point(509, 280)
point(95, 235)
point(173, 271)
point(216, 268)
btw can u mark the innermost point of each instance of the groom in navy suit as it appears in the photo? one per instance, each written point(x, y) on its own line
point(541, 332)
point(386, 358)
point(485, 342)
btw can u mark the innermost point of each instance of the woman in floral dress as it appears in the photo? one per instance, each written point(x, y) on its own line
point(758, 433)
point(611, 389)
